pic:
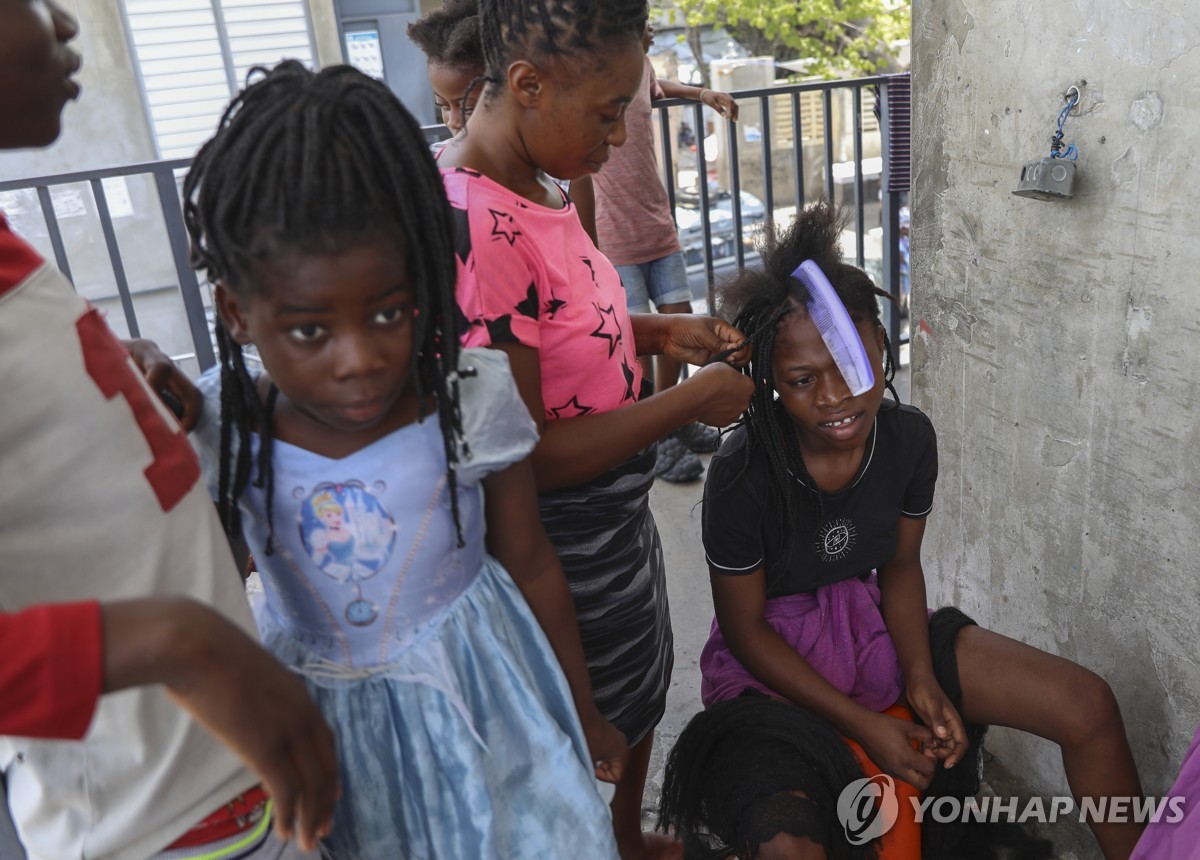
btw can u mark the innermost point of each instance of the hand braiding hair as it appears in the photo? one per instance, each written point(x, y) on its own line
point(316, 162)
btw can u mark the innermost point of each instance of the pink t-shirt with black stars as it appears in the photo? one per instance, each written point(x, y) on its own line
point(528, 274)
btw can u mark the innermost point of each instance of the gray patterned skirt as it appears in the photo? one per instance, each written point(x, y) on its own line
point(610, 550)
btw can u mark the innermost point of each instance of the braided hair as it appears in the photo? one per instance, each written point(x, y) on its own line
point(541, 30)
point(732, 776)
point(450, 36)
point(315, 162)
point(758, 300)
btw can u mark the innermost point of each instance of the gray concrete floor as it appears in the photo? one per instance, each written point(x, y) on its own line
point(677, 510)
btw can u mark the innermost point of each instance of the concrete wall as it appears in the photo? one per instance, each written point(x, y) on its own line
point(1057, 345)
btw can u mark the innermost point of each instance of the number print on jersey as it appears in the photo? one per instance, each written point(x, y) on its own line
point(175, 469)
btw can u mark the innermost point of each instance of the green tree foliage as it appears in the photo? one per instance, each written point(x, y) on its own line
point(835, 36)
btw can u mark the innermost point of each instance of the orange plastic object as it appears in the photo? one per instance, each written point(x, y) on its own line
point(903, 841)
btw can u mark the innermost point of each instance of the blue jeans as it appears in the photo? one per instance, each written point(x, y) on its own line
point(663, 281)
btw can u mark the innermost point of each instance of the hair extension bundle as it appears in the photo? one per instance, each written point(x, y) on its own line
point(837, 329)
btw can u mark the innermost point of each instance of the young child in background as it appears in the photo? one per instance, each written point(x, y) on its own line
point(450, 39)
point(116, 577)
point(814, 514)
point(357, 467)
point(559, 76)
point(636, 231)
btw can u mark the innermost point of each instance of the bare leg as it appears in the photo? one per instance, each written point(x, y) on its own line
point(632, 843)
point(1007, 683)
point(667, 368)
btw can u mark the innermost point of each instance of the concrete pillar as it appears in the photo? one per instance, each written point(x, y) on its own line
point(1056, 346)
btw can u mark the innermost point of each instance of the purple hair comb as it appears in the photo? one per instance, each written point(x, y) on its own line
point(836, 328)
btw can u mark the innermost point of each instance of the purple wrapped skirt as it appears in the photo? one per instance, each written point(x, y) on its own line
point(838, 629)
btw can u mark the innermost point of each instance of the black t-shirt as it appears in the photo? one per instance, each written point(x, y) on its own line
point(742, 531)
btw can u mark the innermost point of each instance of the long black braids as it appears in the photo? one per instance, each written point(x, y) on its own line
point(538, 30)
point(315, 162)
point(757, 300)
point(732, 778)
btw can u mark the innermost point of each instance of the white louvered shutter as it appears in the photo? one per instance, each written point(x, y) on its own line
point(192, 55)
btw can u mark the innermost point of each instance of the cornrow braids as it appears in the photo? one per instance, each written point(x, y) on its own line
point(551, 29)
point(451, 35)
point(758, 301)
point(315, 162)
point(735, 761)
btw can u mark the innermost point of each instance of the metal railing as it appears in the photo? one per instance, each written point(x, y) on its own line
point(768, 150)
point(714, 253)
point(164, 175)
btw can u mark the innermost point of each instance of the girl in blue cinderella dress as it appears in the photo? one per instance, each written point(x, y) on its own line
point(435, 630)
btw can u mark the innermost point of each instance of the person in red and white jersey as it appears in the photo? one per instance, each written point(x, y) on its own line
point(115, 576)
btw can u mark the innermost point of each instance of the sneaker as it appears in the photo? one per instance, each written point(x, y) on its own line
point(676, 463)
point(699, 437)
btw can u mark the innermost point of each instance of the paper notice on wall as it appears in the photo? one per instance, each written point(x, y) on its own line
point(17, 203)
point(68, 202)
point(364, 52)
point(24, 213)
point(116, 192)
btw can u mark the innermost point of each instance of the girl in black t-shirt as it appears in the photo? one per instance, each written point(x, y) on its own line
point(814, 516)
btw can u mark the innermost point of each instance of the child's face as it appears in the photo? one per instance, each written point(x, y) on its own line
point(35, 71)
point(449, 83)
point(335, 332)
point(579, 117)
point(811, 388)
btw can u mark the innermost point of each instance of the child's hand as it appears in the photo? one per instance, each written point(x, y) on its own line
point(168, 381)
point(695, 339)
point(608, 747)
point(930, 704)
point(897, 748)
point(726, 394)
point(262, 712)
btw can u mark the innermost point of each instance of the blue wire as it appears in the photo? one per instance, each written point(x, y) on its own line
point(1071, 153)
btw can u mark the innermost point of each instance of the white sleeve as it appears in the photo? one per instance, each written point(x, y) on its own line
point(497, 429)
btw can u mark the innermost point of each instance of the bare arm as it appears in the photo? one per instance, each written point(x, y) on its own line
point(722, 103)
point(903, 602)
point(574, 450)
point(517, 540)
point(237, 691)
point(903, 605)
point(740, 603)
